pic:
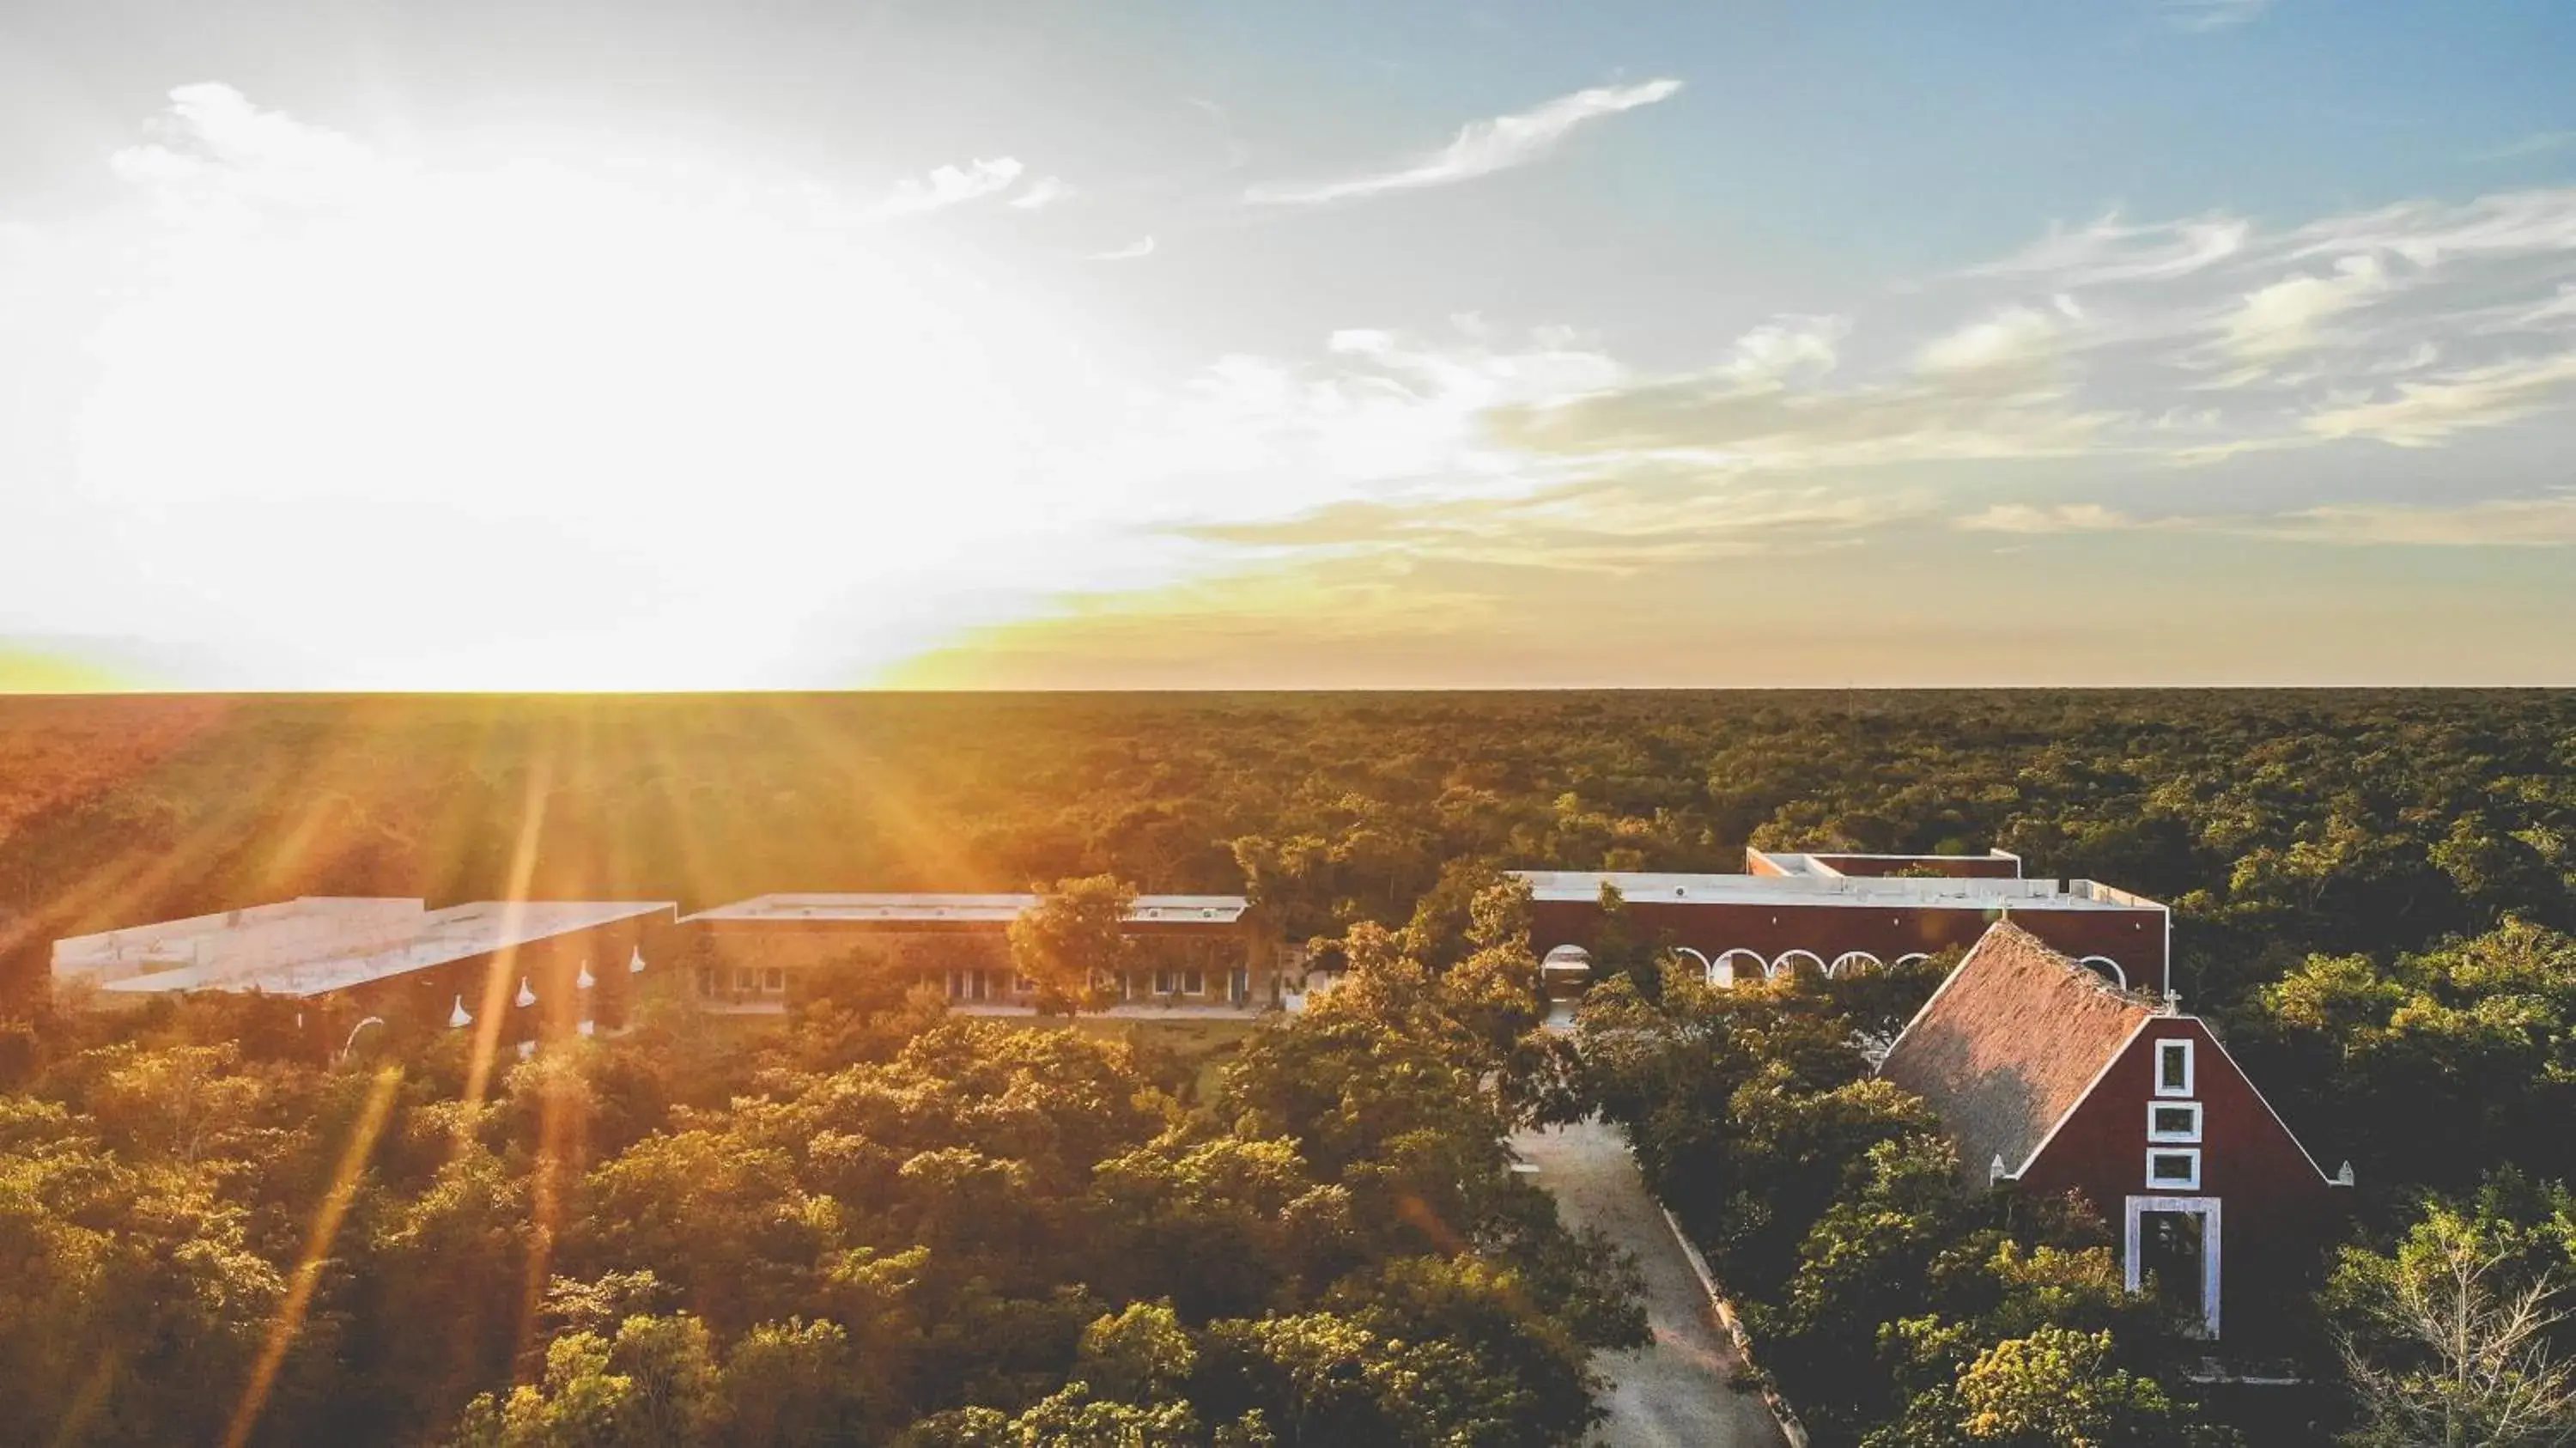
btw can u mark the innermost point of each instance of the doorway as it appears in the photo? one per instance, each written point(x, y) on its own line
point(2172, 1251)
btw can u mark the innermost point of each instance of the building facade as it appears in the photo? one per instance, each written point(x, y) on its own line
point(1193, 953)
point(2055, 1083)
point(1832, 913)
point(523, 969)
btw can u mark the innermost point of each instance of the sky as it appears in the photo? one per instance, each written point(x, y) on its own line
point(675, 344)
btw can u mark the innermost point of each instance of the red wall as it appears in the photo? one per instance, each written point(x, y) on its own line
point(2134, 938)
point(2277, 1213)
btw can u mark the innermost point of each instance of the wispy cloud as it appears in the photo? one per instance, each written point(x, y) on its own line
point(2283, 317)
point(948, 186)
point(1044, 192)
point(2016, 336)
point(2547, 521)
point(2112, 251)
point(2539, 143)
point(1142, 246)
point(2205, 15)
point(1481, 147)
point(2432, 411)
point(2027, 518)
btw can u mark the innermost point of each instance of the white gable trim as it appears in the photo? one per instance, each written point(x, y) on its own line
point(2206, 1034)
point(2267, 1104)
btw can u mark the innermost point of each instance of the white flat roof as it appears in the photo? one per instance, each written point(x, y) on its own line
point(437, 938)
point(920, 907)
point(1944, 893)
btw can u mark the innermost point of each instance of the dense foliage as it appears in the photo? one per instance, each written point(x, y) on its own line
point(2282, 823)
point(883, 1223)
point(880, 1226)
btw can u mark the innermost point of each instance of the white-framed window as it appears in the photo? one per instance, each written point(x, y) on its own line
point(2173, 1068)
point(773, 979)
point(2174, 1166)
point(1194, 982)
point(1167, 982)
point(2173, 1121)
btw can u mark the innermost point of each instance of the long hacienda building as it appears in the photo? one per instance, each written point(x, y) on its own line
point(1832, 913)
point(1198, 953)
point(2055, 1054)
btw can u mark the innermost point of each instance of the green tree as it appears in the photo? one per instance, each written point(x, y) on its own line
point(1073, 937)
point(2460, 1335)
point(2053, 1389)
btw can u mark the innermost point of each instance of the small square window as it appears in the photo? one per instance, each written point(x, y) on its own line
point(2173, 1068)
point(2173, 1121)
point(1194, 982)
point(773, 979)
point(2179, 1168)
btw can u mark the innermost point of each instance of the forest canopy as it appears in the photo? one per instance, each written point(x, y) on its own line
point(881, 1224)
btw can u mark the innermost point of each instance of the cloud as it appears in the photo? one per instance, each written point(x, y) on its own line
point(1044, 192)
point(2548, 521)
point(213, 152)
point(2108, 251)
point(2544, 522)
point(2282, 318)
point(2430, 233)
point(948, 186)
point(1792, 349)
point(2539, 144)
point(2017, 336)
point(2207, 15)
point(2426, 413)
point(1481, 147)
point(1643, 518)
point(2061, 518)
point(1141, 247)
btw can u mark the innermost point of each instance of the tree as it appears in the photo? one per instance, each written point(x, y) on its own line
point(1072, 938)
point(2459, 1336)
point(2053, 1389)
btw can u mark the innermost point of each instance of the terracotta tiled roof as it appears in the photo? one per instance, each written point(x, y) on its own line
point(2009, 1044)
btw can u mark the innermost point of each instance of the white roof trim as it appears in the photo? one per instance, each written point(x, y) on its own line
point(2267, 1102)
point(2205, 1033)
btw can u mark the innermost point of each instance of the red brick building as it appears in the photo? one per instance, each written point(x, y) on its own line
point(2053, 1082)
point(1836, 912)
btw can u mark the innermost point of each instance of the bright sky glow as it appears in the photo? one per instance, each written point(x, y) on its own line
point(1288, 355)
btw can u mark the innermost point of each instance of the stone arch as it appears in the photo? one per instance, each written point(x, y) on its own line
point(1852, 960)
point(1789, 960)
point(1911, 957)
point(1731, 965)
point(2105, 965)
point(1684, 952)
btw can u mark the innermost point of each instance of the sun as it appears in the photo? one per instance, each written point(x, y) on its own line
point(539, 423)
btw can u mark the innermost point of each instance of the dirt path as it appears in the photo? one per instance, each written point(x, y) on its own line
point(1674, 1392)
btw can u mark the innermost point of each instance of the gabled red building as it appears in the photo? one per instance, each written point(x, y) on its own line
point(2053, 1081)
